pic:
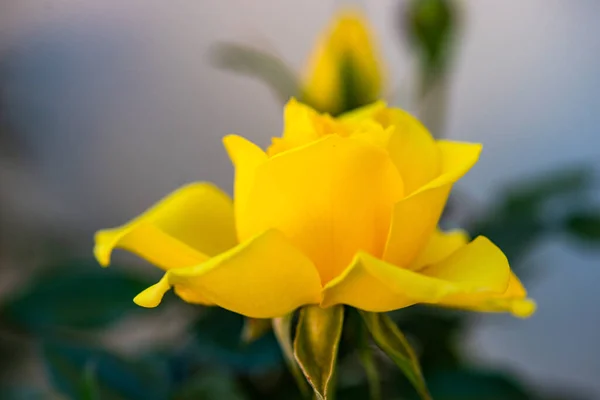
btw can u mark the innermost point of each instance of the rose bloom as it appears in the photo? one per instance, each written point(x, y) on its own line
point(336, 211)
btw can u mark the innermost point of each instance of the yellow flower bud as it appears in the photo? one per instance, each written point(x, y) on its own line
point(344, 70)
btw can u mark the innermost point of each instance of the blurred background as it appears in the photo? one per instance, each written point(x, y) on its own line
point(107, 106)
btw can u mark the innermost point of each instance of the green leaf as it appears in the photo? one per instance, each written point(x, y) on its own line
point(90, 389)
point(217, 342)
point(79, 295)
point(115, 378)
point(209, 385)
point(254, 329)
point(316, 346)
point(255, 63)
point(282, 327)
point(584, 225)
point(389, 338)
point(464, 384)
point(553, 183)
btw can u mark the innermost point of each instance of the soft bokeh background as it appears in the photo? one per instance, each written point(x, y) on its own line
point(107, 106)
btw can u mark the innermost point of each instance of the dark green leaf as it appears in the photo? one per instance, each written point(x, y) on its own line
point(584, 226)
point(258, 64)
point(435, 331)
point(209, 385)
point(475, 385)
point(559, 182)
point(80, 295)
point(90, 388)
point(389, 338)
point(282, 327)
point(360, 392)
point(115, 378)
point(217, 341)
point(316, 346)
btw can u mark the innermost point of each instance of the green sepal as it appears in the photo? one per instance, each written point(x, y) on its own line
point(282, 328)
point(391, 340)
point(367, 359)
point(316, 346)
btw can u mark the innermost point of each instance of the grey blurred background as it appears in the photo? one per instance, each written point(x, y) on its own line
point(138, 110)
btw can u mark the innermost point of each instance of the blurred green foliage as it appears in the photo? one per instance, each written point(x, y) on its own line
point(77, 295)
point(584, 225)
point(218, 341)
point(84, 371)
point(558, 202)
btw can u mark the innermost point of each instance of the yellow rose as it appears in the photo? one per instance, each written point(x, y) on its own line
point(337, 211)
point(343, 72)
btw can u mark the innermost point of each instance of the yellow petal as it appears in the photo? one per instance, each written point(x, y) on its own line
point(476, 277)
point(300, 126)
point(416, 216)
point(370, 111)
point(513, 300)
point(265, 277)
point(329, 198)
point(373, 285)
point(457, 158)
point(482, 266)
point(246, 157)
point(183, 229)
point(152, 296)
point(189, 296)
point(412, 148)
point(413, 221)
point(440, 246)
point(345, 45)
point(479, 265)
